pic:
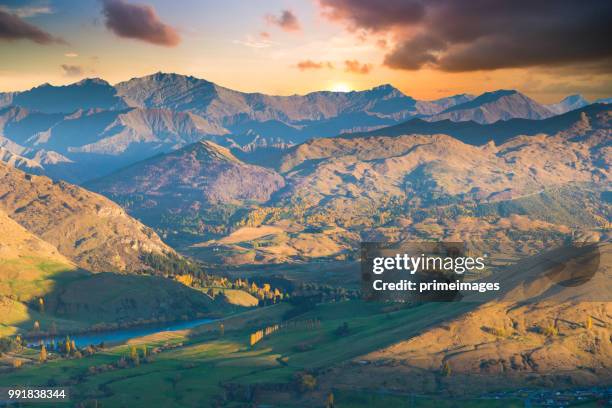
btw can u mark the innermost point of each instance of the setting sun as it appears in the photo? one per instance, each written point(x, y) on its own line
point(341, 87)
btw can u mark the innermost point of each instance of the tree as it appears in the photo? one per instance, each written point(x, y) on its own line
point(144, 351)
point(221, 329)
point(43, 354)
point(134, 355)
point(41, 305)
point(589, 323)
point(36, 326)
point(446, 369)
point(186, 280)
point(330, 401)
point(550, 331)
point(67, 345)
point(306, 382)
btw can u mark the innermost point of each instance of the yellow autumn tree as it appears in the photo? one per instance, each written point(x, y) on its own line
point(186, 280)
point(588, 324)
point(43, 354)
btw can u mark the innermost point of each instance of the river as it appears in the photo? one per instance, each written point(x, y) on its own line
point(121, 335)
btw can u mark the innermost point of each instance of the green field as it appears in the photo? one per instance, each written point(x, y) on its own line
point(191, 375)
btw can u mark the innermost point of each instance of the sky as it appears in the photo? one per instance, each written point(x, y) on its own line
point(429, 49)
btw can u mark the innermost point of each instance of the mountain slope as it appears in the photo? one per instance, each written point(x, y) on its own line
point(415, 186)
point(194, 177)
point(509, 342)
point(86, 94)
point(491, 107)
point(185, 93)
point(98, 128)
point(567, 104)
point(578, 121)
point(74, 299)
point(19, 162)
point(89, 229)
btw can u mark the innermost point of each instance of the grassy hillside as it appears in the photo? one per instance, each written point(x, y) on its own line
point(38, 284)
point(184, 375)
point(363, 352)
point(92, 231)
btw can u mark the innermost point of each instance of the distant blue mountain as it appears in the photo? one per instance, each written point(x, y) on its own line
point(567, 104)
point(99, 127)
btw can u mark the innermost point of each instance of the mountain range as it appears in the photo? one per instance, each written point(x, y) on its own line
point(434, 179)
point(88, 129)
point(284, 189)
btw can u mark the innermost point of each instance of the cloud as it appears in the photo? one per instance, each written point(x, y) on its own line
point(253, 42)
point(72, 70)
point(483, 35)
point(138, 21)
point(309, 64)
point(287, 21)
point(356, 67)
point(12, 27)
point(21, 9)
point(265, 35)
point(71, 55)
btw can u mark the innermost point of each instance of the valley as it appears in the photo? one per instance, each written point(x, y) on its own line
point(236, 220)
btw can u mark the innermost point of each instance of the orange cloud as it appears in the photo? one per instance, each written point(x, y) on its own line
point(356, 67)
point(309, 64)
point(138, 21)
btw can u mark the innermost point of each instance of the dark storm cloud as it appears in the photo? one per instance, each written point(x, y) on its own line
point(484, 34)
point(286, 21)
point(138, 21)
point(14, 28)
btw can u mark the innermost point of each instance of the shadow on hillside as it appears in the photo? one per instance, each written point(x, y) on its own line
point(82, 301)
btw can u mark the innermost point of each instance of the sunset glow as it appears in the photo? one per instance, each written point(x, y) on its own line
point(340, 87)
point(289, 48)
